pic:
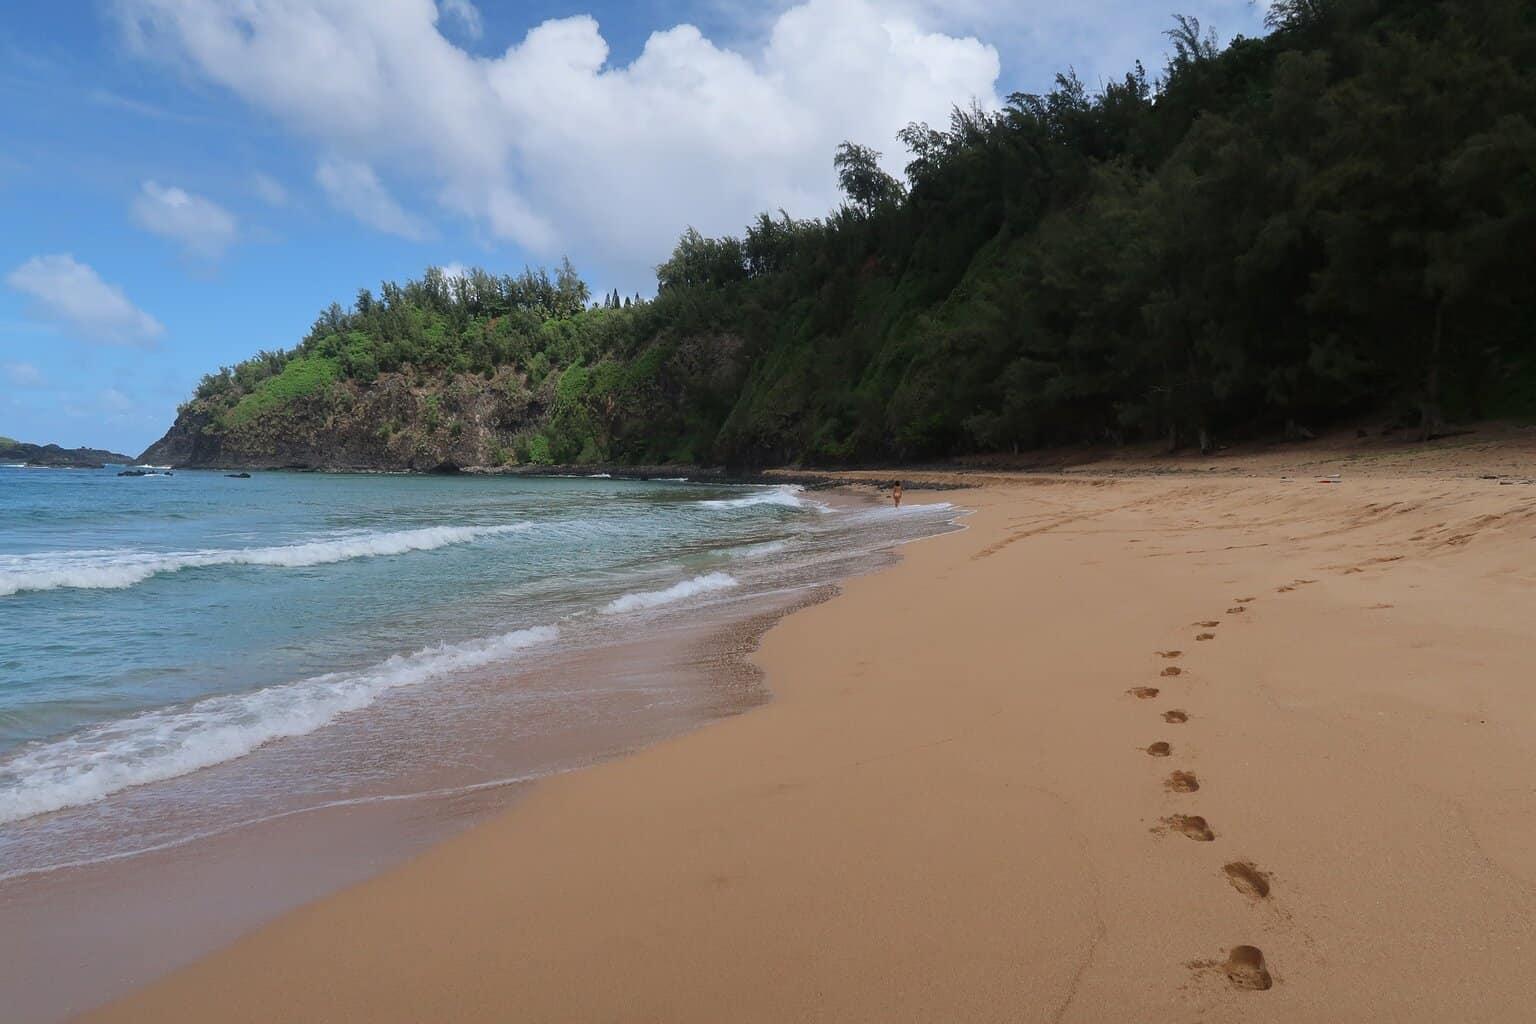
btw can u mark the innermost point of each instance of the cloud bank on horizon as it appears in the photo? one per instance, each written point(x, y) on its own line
point(549, 146)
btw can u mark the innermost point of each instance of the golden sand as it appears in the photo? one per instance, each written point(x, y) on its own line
point(949, 811)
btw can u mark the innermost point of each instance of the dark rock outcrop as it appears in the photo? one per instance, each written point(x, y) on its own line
point(61, 458)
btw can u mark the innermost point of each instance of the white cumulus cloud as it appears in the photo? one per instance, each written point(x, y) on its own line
point(552, 146)
point(352, 186)
point(204, 228)
point(1100, 39)
point(73, 294)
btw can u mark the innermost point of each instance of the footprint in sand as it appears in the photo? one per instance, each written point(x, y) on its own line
point(1143, 692)
point(1236, 609)
point(1176, 717)
point(1245, 968)
point(1244, 600)
point(1169, 654)
point(1160, 749)
point(1191, 825)
point(1208, 624)
point(1247, 879)
point(1182, 782)
point(1205, 636)
point(1172, 670)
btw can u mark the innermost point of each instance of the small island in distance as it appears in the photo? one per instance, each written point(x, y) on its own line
point(14, 452)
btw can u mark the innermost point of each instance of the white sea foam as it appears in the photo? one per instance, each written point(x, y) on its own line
point(111, 570)
point(886, 512)
point(785, 496)
point(762, 550)
point(932, 508)
point(676, 592)
point(169, 742)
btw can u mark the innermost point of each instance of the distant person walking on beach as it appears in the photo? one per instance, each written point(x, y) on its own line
point(896, 494)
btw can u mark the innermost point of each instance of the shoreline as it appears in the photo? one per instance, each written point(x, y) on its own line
point(273, 865)
point(81, 933)
point(1341, 444)
point(948, 810)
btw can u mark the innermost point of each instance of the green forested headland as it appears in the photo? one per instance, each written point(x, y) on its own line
point(1336, 219)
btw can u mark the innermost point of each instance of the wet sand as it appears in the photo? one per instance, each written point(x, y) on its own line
point(1144, 742)
point(75, 937)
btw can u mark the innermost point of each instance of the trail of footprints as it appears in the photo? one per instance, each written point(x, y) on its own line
point(1244, 967)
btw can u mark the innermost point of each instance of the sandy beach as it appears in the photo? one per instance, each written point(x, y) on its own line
point(1225, 739)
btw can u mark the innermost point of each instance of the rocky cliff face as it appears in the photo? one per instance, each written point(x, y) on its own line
point(184, 444)
point(53, 455)
point(395, 423)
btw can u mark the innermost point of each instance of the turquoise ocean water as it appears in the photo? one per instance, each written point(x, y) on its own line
point(181, 654)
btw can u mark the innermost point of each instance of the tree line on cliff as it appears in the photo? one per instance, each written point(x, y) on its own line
point(1334, 219)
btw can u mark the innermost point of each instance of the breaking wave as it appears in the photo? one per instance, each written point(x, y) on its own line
point(786, 496)
point(169, 742)
point(762, 550)
point(114, 570)
point(676, 592)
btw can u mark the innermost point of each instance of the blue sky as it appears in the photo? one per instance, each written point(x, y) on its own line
point(184, 182)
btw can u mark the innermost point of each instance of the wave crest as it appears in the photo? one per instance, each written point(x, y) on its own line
point(762, 550)
point(115, 570)
point(784, 496)
point(174, 741)
point(677, 592)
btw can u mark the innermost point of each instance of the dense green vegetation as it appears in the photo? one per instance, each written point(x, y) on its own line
point(1334, 219)
point(299, 376)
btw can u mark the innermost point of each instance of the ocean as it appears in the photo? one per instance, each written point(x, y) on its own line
point(183, 656)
